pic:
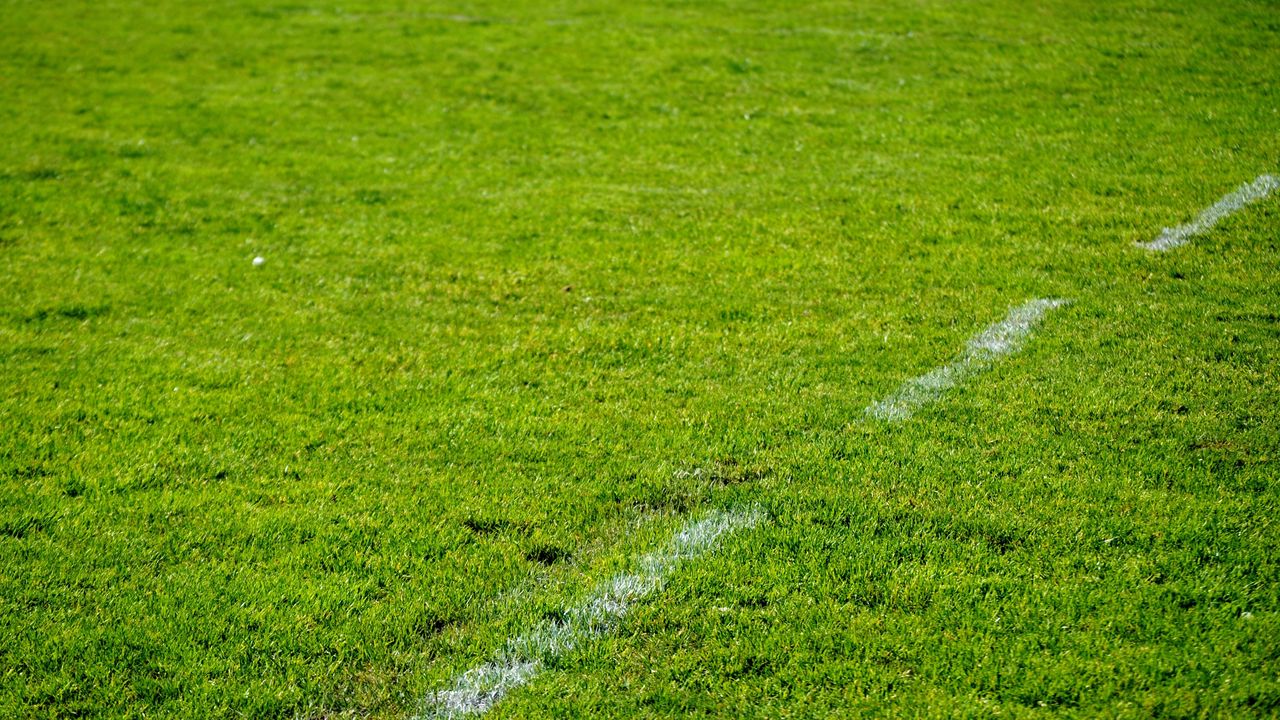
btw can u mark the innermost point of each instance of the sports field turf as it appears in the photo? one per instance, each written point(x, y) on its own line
point(547, 285)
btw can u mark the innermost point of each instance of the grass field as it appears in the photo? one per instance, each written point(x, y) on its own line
point(545, 283)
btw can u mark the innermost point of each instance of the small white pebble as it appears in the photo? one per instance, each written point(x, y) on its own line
point(259, 261)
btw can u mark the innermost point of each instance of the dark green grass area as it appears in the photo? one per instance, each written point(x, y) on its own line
point(544, 281)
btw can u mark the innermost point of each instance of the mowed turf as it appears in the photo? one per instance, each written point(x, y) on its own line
point(544, 282)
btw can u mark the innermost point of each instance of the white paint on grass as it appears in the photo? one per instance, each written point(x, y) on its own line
point(1002, 338)
point(479, 689)
point(457, 18)
point(1244, 195)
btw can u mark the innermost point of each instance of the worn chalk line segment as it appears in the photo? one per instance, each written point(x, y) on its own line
point(524, 657)
point(1246, 194)
point(1002, 338)
point(477, 690)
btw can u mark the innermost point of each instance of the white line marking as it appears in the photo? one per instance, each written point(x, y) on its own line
point(454, 17)
point(1244, 195)
point(1002, 338)
point(479, 689)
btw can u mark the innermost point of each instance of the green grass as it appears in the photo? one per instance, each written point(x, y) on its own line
point(530, 265)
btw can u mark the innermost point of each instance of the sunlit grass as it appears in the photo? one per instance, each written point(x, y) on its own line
point(543, 282)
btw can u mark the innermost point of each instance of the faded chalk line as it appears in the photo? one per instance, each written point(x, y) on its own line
point(1244, 195)
point(1002, 338)
point(524, 657)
